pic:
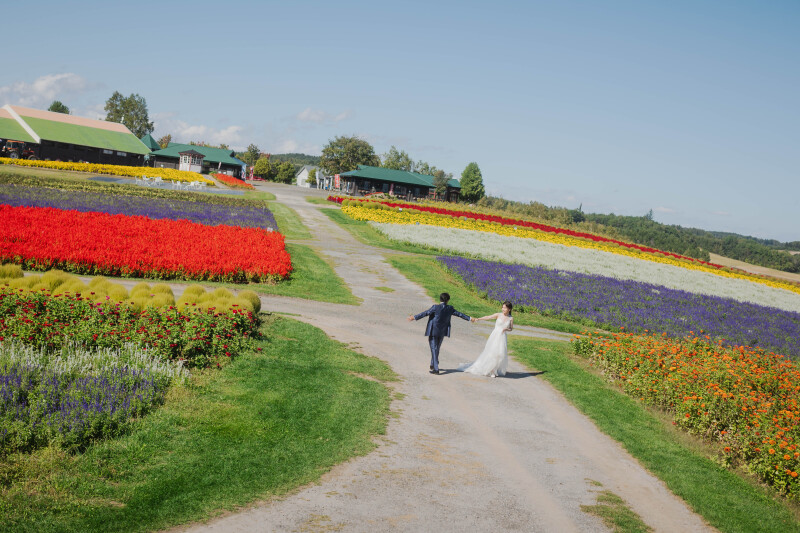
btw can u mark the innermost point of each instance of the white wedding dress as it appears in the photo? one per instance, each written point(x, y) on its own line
point(493, 361)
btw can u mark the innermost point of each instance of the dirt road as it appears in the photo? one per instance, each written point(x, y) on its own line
point(464, 453)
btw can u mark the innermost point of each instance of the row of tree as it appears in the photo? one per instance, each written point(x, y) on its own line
point(345, 153)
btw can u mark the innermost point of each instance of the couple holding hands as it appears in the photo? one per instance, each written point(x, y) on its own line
point(493, 360)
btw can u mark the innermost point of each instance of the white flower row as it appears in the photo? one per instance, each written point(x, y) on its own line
point(539, 253)
point(75, 360)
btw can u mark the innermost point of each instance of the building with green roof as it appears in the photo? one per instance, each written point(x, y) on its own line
point(62, 137)
point(150, 142)
point(219, 160)
point(410, 185)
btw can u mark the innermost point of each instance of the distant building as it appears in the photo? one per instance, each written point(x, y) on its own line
point(151, 143)
point(409, 185)
point(62, 137)
point(204, 158)
point(301, 178)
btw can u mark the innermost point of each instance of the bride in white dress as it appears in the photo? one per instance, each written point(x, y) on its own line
point(493, 361)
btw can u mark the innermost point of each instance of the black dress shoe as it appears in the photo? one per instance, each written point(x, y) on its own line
point(431, 367)
point(435, 372)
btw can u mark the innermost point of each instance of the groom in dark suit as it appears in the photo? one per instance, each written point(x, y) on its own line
point(438, 326)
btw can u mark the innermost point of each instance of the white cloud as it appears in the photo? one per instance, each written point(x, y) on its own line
point(663, 210)
point(184, 132)
point(321, 117)
point(45, 89)
point(721, 213)
point(290, 146)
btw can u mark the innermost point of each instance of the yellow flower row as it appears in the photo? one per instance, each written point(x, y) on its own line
point(115, 170)
point(394, 216)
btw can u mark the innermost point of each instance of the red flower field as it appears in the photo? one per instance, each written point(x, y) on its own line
point(98, 243)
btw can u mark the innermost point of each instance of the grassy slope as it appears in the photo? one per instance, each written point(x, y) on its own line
point(267, 423)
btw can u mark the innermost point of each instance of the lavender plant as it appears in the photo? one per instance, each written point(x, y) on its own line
point(612, 303)
point(39, 406)
point(244, 214)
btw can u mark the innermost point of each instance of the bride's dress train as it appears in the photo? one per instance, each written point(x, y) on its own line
point(493, 361)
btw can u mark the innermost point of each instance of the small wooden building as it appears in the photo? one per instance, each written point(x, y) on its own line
point(191, 160)
point(213, 160)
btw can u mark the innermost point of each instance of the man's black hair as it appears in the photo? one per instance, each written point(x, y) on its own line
point(444, 297)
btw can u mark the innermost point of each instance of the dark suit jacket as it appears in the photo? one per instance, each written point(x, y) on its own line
point(439, 319)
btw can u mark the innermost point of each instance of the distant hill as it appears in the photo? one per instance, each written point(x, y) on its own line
point(698, 243)
point(691, 242)
point(296, 159)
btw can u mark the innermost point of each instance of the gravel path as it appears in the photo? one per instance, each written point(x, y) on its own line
point(464, 453)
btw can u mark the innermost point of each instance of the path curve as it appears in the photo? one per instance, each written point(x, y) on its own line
point(464, 453)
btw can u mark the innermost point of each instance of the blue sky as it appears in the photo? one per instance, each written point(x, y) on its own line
point(688, 108)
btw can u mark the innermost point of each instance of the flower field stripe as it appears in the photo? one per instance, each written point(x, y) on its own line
point(745, 400)
point(114, 170)
point(233, 182)
point(390, 216)
point(532, 252)
point(98, 243)
point(635, 306)
point(533, 225)
point(207, 213)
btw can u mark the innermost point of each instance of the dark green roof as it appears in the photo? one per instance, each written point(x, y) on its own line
point(150, 142)
point(212, 155)
point(396, 176)
point(10, 129)
point(85, 136)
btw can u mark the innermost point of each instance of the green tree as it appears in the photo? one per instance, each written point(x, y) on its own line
point(398, 160)
point(58, 107)
point(440, 179)
point(346, 153)
point(130, 111)
point(164, 141)
point(262, 168)
point(472, 184)
point(284, 172)
point(251, 155)
point(312, 177)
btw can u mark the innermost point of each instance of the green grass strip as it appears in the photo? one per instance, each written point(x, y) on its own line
point(724, 499)
point(266, 424)
point(313, 278)
point(288, 222)
point(616, 514)
point(366, 234)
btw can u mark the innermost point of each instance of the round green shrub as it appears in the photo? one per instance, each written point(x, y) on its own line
point(162, 288)
point(251, 297)
point(10, 270)
point(141, 289)
point(118, 293)
point(195, 290)
point(97, 280)
point(55, 278)
point(222, 293)
point(160, 300)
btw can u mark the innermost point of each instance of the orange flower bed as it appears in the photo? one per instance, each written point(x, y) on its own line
point(746, 399)
point(230, 181)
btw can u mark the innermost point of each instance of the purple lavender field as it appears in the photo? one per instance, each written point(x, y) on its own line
point(208, 213)
point(42, 407)
point(611, 303)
